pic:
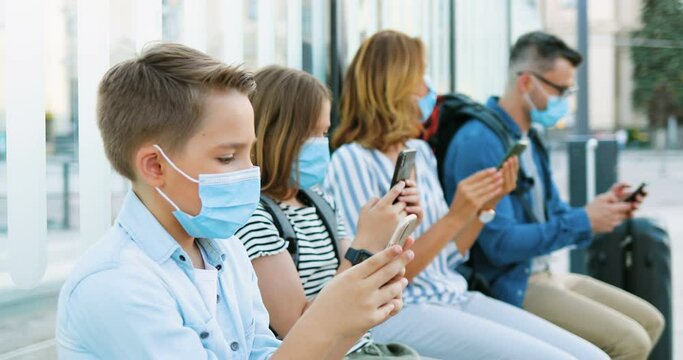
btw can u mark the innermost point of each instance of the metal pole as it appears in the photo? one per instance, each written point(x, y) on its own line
point(578, 257)
point(452, 44)
point(508, 20)
point(336, 71)
point(66, 216)
point(582, 119)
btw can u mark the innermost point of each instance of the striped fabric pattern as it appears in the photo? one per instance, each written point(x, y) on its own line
point(317, 259)
point(357, 173)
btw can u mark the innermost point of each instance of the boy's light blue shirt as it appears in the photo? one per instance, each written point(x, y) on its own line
point(132, 296)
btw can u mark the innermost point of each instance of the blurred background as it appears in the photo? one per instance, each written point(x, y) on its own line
point(58, 194)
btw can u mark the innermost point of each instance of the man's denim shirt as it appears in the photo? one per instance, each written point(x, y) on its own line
point(132, 296)
point(506, 246)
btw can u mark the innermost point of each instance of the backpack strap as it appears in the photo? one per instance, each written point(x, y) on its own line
point(327, 215)
point(284, 227)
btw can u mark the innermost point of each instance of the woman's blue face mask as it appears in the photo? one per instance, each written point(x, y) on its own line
point(427, 102)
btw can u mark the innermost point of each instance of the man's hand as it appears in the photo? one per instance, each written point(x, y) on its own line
point(624, 190)
point(607, 211)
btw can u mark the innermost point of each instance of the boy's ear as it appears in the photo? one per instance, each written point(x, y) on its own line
point(148, 166)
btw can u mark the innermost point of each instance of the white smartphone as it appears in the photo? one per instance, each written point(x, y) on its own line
point(403, 230)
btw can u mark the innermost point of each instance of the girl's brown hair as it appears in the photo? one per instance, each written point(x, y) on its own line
point(378, 105)
point(287, 105)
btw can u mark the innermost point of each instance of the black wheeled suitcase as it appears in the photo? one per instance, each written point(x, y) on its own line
point(636, 257)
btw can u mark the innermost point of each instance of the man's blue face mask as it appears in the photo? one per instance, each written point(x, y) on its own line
point(556, 108)
point(228, 201)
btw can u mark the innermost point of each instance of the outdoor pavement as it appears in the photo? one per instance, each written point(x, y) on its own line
point(27, 318)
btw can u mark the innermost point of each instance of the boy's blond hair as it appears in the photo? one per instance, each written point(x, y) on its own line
point(159, 96)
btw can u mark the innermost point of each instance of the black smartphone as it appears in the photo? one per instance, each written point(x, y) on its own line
point(639, 191)
point(404, 166)
point(516, 150)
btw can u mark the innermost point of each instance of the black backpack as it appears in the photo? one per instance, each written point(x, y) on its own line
point(284, 227)
point(451, 112)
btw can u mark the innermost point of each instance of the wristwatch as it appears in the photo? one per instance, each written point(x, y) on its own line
point(357, 256)
point(486, 216)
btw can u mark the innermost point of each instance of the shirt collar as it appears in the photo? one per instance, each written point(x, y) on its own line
point(215, 254)
point(146, 231)
point(508, 121)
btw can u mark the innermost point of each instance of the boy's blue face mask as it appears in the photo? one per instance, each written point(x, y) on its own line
point(427, 102)
point(313, 160)
point(228, 201)
point(556, 108)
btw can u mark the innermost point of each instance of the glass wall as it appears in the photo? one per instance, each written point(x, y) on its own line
point(461, 36)
point(58, 193)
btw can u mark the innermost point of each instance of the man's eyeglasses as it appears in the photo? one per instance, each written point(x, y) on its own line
point(564, 91)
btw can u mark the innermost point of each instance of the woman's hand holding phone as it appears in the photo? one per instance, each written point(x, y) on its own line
point(509, 171)
point(411, 197)
point(473, 193)
point(378, 219)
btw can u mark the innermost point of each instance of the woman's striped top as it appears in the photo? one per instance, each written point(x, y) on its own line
point(357, 173)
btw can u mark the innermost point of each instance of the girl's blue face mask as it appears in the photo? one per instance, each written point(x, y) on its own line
point(313, 161)
point(556, 108)
point(228, 201)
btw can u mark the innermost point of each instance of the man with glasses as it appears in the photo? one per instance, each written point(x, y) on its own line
point(514, 249)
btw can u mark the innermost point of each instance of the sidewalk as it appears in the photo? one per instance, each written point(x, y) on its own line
point(663, 172)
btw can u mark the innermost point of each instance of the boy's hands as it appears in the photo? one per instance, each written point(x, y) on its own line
point(363, 296)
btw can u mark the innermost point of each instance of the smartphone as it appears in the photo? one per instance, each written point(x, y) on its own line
point(639, 191)
point(516, 150)
point(403, 230)
point(404, 166)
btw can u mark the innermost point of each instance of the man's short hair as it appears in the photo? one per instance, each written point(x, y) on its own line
point(159, 96)
point(537, 51)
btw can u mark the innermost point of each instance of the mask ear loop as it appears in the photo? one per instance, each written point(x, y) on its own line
point(167, 198)
point(528, 100)
point(174, 165)
point(540, 86)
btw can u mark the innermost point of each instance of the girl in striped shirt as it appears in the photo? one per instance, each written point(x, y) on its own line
point(292, 115)
point(380, 116)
